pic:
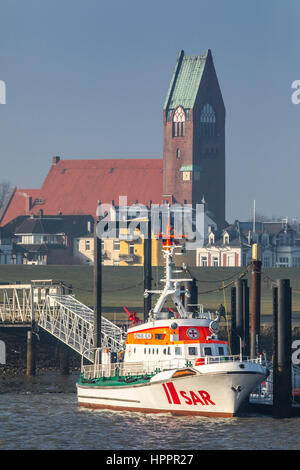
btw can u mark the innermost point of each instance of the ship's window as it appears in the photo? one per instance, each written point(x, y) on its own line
point(192, 351)
point(221, 351)
point(169, 350)
point(157, 351)
point(149, 351)
point(164, 351)
point(153, 351)
point(207, 352)
point(134, 351)
point(145, 350)
point(159, 336)
point(177, 351)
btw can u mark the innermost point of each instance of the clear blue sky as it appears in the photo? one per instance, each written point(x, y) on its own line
point(88, 79)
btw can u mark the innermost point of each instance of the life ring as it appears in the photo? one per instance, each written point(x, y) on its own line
point(200, 361)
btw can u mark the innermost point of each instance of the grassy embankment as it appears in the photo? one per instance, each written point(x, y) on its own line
point(124, 285)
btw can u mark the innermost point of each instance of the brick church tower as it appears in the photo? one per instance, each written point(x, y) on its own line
point(194, 136)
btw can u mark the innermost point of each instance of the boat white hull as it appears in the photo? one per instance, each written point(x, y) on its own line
point(219, 393)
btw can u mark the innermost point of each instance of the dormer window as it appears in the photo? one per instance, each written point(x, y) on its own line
point(226, 239)
point(211, 238)
point(179, 122)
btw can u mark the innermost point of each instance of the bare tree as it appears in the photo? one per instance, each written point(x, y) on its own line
point(5, 188)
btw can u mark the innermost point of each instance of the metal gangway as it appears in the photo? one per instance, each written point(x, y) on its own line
point(44, 304)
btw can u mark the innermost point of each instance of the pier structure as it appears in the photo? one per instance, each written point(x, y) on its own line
point(43, 304)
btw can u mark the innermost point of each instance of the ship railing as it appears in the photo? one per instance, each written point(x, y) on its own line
point(235, 358)
point(131, 368)
point(142, 368)
point(137, 368)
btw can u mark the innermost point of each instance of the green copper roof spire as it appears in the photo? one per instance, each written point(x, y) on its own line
point(186, 80)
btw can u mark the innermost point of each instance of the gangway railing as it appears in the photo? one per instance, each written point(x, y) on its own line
point(63, 316)
point(72, 322)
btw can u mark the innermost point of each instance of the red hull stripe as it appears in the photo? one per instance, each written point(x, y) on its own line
point(173, 393)
point(167, 393)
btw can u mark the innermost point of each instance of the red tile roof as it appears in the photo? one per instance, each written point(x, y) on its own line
point(75, 186)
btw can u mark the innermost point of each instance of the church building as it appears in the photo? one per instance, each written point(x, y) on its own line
point(192, 167)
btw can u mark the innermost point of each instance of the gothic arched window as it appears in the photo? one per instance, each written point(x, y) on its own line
point(178, 122)
point(207, 121)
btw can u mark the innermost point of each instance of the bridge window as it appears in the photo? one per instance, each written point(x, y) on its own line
point(207, 352)
point(192, 351)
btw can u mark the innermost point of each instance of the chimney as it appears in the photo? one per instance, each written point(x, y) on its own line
point(55, 160)
point(28, 203)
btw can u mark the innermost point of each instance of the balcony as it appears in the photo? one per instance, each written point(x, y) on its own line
point(130, 258)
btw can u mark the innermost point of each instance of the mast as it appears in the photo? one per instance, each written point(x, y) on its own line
point(172, 285)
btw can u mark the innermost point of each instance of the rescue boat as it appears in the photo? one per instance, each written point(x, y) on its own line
point(174, 363)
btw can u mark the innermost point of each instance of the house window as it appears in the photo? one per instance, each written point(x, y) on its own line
point(131, 249)
point(177, 153)
point(207, 121)
point(179, 122)
point(203, 260)
point(211, 238)
point(87, 245)
point(266, 262)
point(117, 245)
point(296, 261)
point(215, 261)
point(226, 239)
point(284, 262)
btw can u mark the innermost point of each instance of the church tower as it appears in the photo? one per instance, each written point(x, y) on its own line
point(194, 136)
